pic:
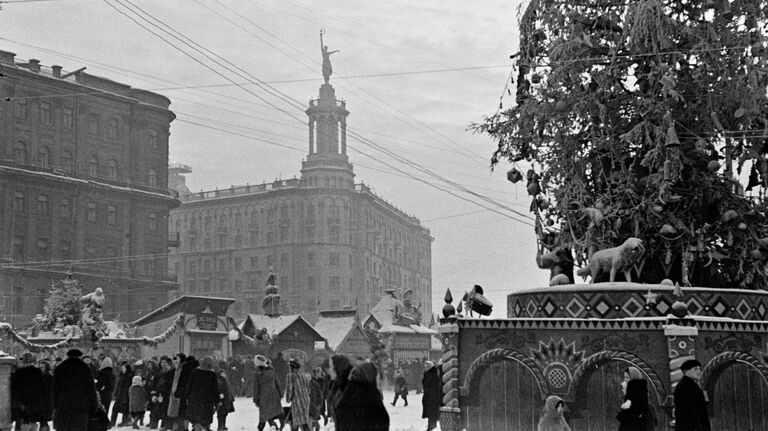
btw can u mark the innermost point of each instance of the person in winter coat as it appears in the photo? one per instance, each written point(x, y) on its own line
point(74, 394)
point(339, 368)
point(690, 403)
point(552, 417)
point(28, 392)
point(361, 406)
point(202, 395)
point(105, 382)
point(45, 368)
point(137, 401)
point(635, 414)
point(266, 393)
point(122, 387)
point(151, 375)
point(227, 401)
point(316, 398)
point(297, 387)
point(177, 406)
point(163, 392)
point(401, 387)
point(280, 367)
point(433, 395)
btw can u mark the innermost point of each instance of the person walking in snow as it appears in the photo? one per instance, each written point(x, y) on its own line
point(297, 387)
point(266, 393)
point(433, 396)
point(401, 387)
point(552, 417)
point(137, 401)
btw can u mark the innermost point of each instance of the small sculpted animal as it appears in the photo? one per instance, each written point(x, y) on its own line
point(613, 259)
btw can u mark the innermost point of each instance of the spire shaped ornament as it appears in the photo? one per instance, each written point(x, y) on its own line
point(271, 301)
point(327, 68)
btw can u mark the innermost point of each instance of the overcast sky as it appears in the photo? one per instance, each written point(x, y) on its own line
point(414, 76)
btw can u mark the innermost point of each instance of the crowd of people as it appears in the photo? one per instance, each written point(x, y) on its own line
point(93, 393)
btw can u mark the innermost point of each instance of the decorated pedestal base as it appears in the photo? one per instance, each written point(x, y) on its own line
point(575, 341)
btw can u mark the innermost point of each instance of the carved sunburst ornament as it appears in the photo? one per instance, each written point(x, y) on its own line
point(557, 360)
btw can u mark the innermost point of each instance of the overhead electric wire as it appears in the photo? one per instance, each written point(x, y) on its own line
point(289, 100)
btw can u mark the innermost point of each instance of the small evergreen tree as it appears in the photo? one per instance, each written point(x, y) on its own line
point(62, 306)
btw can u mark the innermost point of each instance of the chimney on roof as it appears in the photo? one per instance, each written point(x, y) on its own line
point(34, 65)
point(7, 57)
point(56, 71)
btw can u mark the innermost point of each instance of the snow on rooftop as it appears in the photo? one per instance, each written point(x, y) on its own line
point(334, 329)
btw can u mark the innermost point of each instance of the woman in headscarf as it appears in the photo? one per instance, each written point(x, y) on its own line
point(635, 413)
point(105, 382)
point(361, 406)
point(266, 393)
point(552, 418)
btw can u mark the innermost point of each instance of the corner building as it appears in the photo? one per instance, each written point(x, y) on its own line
point(331, 242)
point(83, 189)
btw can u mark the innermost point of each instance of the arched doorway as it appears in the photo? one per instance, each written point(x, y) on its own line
point(737, 386)
point(504, 392)
point(598, 392)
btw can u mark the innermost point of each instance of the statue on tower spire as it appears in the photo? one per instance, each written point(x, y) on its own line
point(327, 69)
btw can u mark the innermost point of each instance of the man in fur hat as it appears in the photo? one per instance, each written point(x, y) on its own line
point(690, 403)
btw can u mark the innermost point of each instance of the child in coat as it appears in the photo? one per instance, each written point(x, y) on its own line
point(137, 401)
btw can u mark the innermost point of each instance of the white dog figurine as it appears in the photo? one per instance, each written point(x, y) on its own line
point(614, 259)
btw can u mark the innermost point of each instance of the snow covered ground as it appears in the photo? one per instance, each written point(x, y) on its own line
point(401, 418)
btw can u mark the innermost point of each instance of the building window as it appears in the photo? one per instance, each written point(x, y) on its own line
point(152, 178)
point(111, 215)
point(254, 262)
point(311, 283)
point(333, 258)
point(67, 118)
point(207, 244)
point(43, 208)
point(151, 267)
point(44, 157)
point(310, 260)
point(93, 166)
point(20, 152)
point(66, 161)
point(20, 109)
point(335, 233)
point(90, 216)
point(18, 247)
point(334, 283)
point(238, 263)
point(153, 142)
point(152, 221)
point(112, 172)
point(207, 266)
point(66, 208)
point(112, 128)
point(19, 203)
point(93, 125)
point(42, 249)
point(65, 250)
point(284, 282)
point(222, 265)
point(284, 260)
point(45, 112)
point(112, 262)
point(270, 261)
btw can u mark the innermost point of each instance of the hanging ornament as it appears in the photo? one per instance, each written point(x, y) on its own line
point(672, 140)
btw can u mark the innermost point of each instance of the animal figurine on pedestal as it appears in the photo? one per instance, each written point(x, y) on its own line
point(613, 259)
point(560, 264)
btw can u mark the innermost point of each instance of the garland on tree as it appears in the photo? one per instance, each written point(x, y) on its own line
point(7, 331)
point(162, 338)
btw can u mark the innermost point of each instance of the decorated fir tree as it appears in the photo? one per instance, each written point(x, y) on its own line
point(62, 306)
point(645, 119)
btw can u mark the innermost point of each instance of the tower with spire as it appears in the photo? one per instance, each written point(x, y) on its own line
point(327, 164)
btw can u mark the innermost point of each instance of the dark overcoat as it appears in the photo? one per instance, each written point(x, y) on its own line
point(105, 385)
point(28, 394)
point(122, 387)
point(360, 406)
point(690, 407)
point(267, 394)
point(74, 395)
point(432, 394)
point(185, 372)
point(202, 395)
